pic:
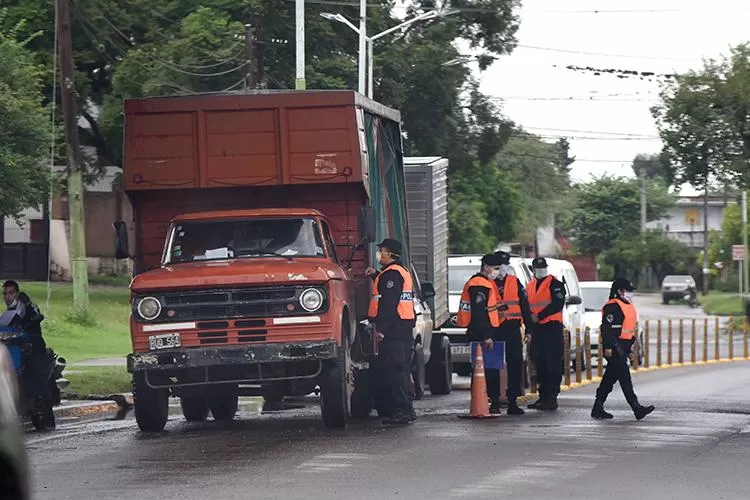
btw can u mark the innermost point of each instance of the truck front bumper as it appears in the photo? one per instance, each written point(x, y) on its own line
point(236, 355)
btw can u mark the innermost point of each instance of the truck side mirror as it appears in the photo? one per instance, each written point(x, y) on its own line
point(574, 300)
point(428, 291)
point(367, 224)
point(122, 246)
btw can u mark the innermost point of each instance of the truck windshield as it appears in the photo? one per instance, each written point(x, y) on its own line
point(458, 276)
point(236, 239)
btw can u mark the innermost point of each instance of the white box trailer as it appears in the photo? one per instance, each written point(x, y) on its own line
point(427, 206)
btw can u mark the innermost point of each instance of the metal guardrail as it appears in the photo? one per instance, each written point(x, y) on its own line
point(679, 332)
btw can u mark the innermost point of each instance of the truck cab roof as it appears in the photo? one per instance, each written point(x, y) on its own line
point(251, 213)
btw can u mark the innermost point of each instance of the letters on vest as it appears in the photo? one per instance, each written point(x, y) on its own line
point(511, 299)
point(541, 298)
point(405, 307)
point(627, 331)
point(463, 319)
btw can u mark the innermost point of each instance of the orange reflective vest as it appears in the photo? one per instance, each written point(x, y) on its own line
point(463, 319)
point(511, 299)
point(405, 308)
point(541, 298)
point(628, 324)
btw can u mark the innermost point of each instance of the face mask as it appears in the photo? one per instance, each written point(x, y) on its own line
point(377, 256)
point(493, 274)
point(541, 272)
point(628, 296)
point(505, 270)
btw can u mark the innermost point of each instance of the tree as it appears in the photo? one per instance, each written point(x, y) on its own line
point(607, 209)
point(652, 167)
point(24, 128)
point(658, 251)
point(703, 121)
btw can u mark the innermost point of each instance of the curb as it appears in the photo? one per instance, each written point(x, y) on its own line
point(119, 404)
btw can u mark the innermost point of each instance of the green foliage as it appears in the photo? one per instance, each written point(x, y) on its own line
point(24, 126)
point(608, 209)
point(652, 167)
point(661, 253)
point(703, 122)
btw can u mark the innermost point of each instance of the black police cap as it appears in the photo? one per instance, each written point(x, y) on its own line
point(391, 245)
point(539, 263)
point(491, 260)
point(504, 257)
point(622, 284)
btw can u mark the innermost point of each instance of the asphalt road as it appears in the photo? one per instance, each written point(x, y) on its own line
point(695, 446)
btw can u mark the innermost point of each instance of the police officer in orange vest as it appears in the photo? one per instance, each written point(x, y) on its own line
point(478, 313)
point(547, 301)
point(514, 308)
point(619, 318)
point(392, 312)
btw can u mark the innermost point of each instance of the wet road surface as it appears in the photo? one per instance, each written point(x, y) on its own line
point(695, 446)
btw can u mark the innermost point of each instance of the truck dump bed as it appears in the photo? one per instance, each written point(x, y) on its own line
point(334, 151)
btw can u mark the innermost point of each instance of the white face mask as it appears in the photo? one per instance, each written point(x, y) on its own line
point(505, 270)
point(493, 274)
point(377, 256)
point(628, 296)
point(541, 272)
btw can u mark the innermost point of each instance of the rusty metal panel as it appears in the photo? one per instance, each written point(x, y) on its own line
point(241, 148)
point(160, 151)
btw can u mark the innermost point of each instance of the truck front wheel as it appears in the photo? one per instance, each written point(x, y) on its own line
point(334, 404)
point(151, 405)
point(441, 370)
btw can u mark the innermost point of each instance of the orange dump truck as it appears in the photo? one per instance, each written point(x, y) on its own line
point(255, 217)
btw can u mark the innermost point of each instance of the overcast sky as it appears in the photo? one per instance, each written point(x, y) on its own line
point(607, 118)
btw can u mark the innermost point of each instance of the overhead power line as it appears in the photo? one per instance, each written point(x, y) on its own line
point(605, 54)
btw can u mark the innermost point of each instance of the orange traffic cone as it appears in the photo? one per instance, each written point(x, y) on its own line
point(479, 407)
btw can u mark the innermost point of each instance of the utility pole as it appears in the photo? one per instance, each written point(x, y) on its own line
point(299, 83)
point(260, 65)
point(78, 262)
point(745, 264)
point(642, 177)
point(250, 72)
point(705, 235)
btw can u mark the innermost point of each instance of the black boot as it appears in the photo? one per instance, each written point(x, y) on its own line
point(495, 407)
point(535, 405)
point(549, 404)
point(397, 419)
point(641, 411)
point(598, 412)
point(513, 408)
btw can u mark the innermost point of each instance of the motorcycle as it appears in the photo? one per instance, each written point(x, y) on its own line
point(691, 297)
point(37, 403)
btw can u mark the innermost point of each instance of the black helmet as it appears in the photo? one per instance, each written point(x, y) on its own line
point(539, 263)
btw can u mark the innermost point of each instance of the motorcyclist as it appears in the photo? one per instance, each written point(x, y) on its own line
point(30, 319)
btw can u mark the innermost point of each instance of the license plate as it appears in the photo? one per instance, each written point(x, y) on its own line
point(460, 349)
point(166, 341)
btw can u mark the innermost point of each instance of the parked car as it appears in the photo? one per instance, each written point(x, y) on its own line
point(595, 294)
point(460, 269)
point(674, 287)
point(13, 462)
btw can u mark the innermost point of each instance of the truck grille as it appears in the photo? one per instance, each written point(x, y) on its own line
point(227, 304)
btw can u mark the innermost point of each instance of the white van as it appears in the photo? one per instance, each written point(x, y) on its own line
point(460, 269)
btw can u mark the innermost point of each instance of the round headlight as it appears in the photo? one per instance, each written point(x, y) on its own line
point(311, 300)
point(149, 308)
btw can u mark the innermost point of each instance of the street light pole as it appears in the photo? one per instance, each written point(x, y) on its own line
point(362, 44)
point(299, 82)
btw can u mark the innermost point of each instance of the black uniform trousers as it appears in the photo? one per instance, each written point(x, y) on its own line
point(548, 345)
point(510, 333)
point(617, 370)
point(393, 376)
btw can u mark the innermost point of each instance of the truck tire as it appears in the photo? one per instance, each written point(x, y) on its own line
point(334, 397)
point(194, 408)
point(361, 404)
point(151, 405)
point(418, 372)
point(441, 369)
point(223, 404)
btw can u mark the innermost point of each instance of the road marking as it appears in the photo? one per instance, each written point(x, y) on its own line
point(332, 462)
